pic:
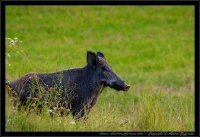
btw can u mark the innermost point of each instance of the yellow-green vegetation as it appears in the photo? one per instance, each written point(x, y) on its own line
point(149, 47)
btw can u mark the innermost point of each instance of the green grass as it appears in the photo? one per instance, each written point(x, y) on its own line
point(150, 47)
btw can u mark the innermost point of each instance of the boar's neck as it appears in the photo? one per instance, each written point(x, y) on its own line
point(92, 82)
point(87, 82)
point(94, 86)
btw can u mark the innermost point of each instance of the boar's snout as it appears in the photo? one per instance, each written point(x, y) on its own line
point(120, 85)
point(126, 87)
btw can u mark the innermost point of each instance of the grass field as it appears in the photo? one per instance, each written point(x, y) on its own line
point(150, 47)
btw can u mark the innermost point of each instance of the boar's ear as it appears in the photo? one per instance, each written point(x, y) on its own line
point(91, 58)
point(100, 54)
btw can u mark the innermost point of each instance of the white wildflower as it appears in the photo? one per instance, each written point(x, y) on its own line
point(8, 55)
point(49, 110)
point(12, 42)
point(15, 38)
point(8, 38)
point(72, 123)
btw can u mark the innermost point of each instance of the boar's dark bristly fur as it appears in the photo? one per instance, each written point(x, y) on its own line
point(80, 87)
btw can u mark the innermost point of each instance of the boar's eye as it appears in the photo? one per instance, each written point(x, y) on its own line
point(104, 69)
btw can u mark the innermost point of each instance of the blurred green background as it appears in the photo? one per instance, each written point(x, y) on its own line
point(150, 47)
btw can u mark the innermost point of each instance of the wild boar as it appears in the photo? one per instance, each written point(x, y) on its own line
point(80, 87)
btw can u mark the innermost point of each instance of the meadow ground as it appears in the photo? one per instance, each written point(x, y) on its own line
point(150, 47)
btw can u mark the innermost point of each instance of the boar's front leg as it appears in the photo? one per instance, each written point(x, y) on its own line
point(77, 110)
